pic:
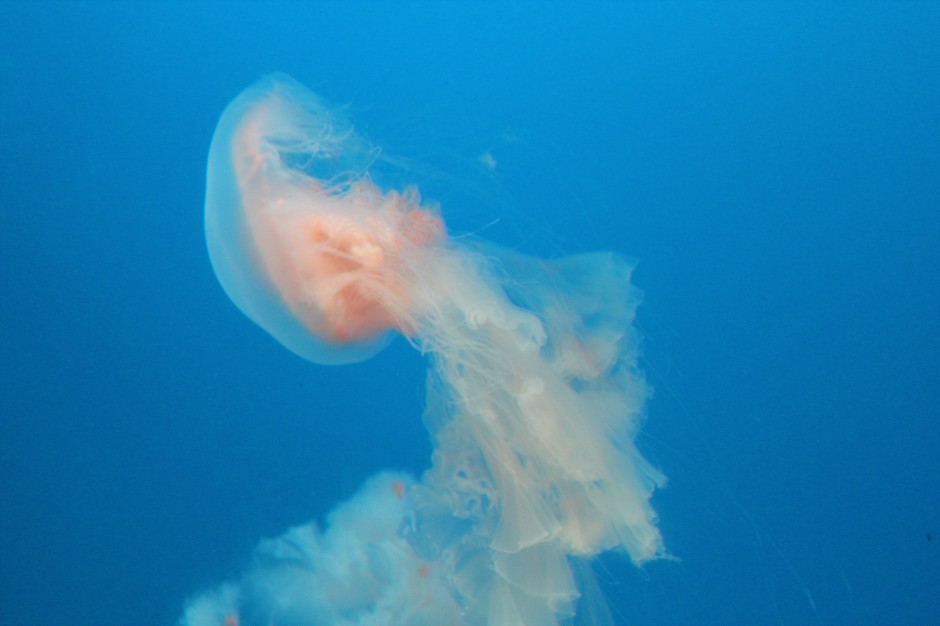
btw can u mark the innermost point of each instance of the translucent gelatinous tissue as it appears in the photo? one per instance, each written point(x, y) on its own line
point(534, 395)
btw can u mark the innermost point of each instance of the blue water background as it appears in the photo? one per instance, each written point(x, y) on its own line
point(775, 168)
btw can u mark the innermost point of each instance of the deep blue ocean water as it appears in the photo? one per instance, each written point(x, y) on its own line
point(775, 168)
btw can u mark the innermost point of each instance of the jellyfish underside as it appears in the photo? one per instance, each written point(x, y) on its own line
point(534, 394)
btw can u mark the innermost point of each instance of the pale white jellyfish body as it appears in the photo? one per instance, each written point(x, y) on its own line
point(534, 395)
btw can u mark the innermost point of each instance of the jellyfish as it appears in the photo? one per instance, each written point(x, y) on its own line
point(534, 393)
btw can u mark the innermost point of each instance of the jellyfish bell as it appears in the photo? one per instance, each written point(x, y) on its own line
point(323, 262)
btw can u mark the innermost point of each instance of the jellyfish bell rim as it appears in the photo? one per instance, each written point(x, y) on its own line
point(234, 257)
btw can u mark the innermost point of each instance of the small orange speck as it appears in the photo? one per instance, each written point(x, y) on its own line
point(399, 488)
point(231, 620)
